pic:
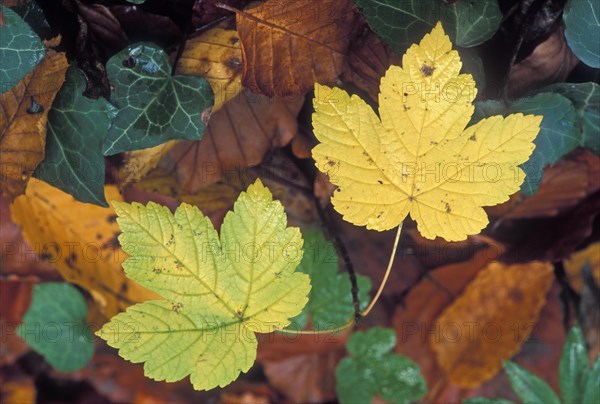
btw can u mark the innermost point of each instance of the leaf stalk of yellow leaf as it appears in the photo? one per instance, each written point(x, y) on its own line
point(366, 311)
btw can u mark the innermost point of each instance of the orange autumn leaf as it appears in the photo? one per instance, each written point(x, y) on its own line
point(23, 115)
point(80, 239)
point(490, 321)
point(287, 46)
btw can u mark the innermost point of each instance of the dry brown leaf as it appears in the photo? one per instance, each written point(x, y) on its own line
point(238, 136)
point(564, 185)
point(575, 263)
point(368, 60)
point(288, 45)
point(550, 62)
point(490, 321)
point(80, 239)
point(215, 55)
point(23, 115)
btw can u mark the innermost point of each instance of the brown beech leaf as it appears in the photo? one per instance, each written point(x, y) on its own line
point(288, 45)
point(500, 299)
point(414, 320)
point(368, 60)
point(551, 61)
point(306, 378)
point(80, 239)
point(552, 224)
point(23, 115)
point(564, 185)
point(238, 136)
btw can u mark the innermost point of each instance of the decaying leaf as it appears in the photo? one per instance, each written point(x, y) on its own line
point(419, 158)
point(23, 115)
point(576, 263)
point(80, 239)
point(218, 291)
point(490, 321)
point(215, 55)
point(238, 136)
point(287, 46)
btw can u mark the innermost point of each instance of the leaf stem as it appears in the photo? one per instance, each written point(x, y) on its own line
point(366, 311)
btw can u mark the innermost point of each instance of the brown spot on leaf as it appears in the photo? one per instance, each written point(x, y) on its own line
point(473, 138)
point(427, 70)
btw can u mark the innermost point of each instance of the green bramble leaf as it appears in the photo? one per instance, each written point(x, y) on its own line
point(330, 300)
point(573, 369)
point(374, 370)
point(218, 291)
point(75, 132)
point(582, 30)
point(55, 326)
point(20, 48)
point(154, 106)
point(591, 392)
point(401, 23)
point(530, 388)
point(486, 400)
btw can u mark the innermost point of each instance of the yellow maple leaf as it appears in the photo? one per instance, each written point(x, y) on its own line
point(417, 158)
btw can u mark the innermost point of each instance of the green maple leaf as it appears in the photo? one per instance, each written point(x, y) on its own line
point(153, 105)
point(218, 291)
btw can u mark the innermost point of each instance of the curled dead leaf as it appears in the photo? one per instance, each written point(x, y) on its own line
point(23, 117)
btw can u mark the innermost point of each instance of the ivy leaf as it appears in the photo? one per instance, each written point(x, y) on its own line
point(400, 23)
point(558, 132)
point(573, 369)
point(153, 105)
point(373, 370)
point(330, 300)
point(217, 291)
point(586, 100)
point(530, 388)
point(582, 30)
point(55, 326)
point(20, 48)
point(75, 132)
point(419, 158)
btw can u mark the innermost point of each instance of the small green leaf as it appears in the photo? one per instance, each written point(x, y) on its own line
point(373, 370)
point(586, 99)
point(55, 326)
point(330, 299)
point(591, 392)
point(558, 132)
point(153, 105)
point(486, 400)
point(76, 129)
point(573, 368)
point(218, 291)
point(582, 30)
point(530, 388)
point(401, 23)
point(20, 49)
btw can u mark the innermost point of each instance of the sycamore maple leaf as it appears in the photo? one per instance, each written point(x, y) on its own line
point(218, 292)
point(419, 159)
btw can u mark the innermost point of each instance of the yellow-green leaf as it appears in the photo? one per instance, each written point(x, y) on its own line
point(218, 291)
point(417, 157)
